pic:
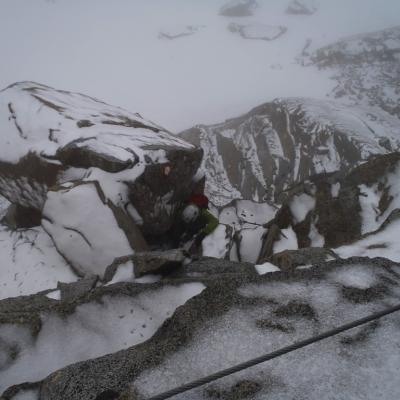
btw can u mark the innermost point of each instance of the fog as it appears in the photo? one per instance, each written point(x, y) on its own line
point(110, 49)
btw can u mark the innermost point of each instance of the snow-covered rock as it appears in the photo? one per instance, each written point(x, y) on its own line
point(238, 8)
point(133, 171)
point(257, 31)
point(262, 313)
point(85, 230)
point(301, 7)
point(367, 197)
point(366, 68)
point(261, 154)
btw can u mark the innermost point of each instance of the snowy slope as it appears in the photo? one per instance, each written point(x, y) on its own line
point(258, 155)
point(366, 68)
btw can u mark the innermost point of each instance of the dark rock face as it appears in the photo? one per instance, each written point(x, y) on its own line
point(160, 190)
point(343, 208)
point(238, 8)
point(18, 216)
point(359, 60)
point(259, 155)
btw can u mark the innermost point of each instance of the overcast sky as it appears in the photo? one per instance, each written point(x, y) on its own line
point(110, 49)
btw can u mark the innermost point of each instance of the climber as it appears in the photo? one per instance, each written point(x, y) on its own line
point(196, 223)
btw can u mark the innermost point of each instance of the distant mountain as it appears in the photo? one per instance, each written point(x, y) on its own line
point(259, 155)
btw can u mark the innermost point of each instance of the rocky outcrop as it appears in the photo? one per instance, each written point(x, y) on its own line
point(366, 68)
point(259, 155)
point(301, 7)
point(238, 8)
point(156, 262)
point(257, 31)
point(289, 260)
point(278, 309)
point(56, 146)
point(335, 209)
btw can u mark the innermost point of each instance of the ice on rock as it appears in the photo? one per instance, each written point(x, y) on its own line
point(93, 330)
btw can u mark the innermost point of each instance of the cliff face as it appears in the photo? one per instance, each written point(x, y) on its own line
point(259, 155)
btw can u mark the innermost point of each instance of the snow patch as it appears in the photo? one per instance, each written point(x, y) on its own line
point(93, 330)
point(266, 268)
point(300, 206)
point(288, 241)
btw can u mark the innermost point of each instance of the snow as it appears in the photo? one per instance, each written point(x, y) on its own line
point(55, 295)
point(84, 229)
point(356, 276)
point(255, 213)
point(288, 241)
point(216, 244)
point(266, 268)
point(317, 240)
point(30, 263)
point(250, 243)
point(335, 189)
point(91, 332)
point(381, 244)
point(300, 206)
point(369, 201)
point(37, 110)
point(310, 373)
point(27, 395)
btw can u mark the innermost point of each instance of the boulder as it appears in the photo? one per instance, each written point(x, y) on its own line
point(288, 260)
point(85, 229)
point(70, 292)
point(56, 146)
point(238, 8)
point(157, 262)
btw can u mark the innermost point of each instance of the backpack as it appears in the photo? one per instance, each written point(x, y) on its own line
point(200, 200)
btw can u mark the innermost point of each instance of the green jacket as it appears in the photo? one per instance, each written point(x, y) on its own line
point(210, 221)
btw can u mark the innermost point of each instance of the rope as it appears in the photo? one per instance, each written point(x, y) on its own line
point(274, 354)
